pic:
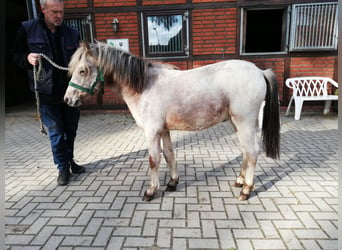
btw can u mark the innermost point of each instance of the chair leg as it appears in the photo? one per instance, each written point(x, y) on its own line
point(261, 114)
point(298, 108)
point(327, 107)
point(289, 106)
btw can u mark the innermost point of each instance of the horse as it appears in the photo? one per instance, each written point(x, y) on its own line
point(162, 98)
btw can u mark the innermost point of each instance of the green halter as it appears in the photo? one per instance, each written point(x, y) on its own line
point(90, 90)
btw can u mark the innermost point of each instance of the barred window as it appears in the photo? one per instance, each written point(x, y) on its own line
point(83, 24)
point(165, 35)
point(314, 26)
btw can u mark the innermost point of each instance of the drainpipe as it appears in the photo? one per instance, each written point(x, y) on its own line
point(31, 9)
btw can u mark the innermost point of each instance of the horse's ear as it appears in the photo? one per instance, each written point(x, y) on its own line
point(84, 44)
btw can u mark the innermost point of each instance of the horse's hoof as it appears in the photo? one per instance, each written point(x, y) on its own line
point(243, 197)
point(238, 185)
point(147, 197)
point(172, 185)
point(171, 188)
point(245, 192)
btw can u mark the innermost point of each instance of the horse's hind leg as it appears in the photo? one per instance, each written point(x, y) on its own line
point(246, 132)
point(170, 159)
point(154, 161)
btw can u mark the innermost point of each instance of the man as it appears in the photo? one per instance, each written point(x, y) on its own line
point(50, 36)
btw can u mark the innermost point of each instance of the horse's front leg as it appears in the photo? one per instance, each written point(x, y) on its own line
point(170, 159)
point(154, 161)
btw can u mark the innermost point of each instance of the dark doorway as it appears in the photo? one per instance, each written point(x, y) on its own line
point(264, 31)
point(16, 83)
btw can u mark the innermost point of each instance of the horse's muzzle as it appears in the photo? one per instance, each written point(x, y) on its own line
point(71, 102)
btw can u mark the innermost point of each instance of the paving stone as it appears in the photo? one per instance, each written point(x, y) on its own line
point(268, 229)
point(203, 244)
point(139, 242)
point(37, 225)
point(103, 236)
point(179, 244)
point(310, 244)
point(77, 241)
point(310, 234)
point(269, 244)
point(164, 237)
point(53, 242)
point(193, 219)
point(44, 235)
point(187, 232)
point(244, 244)
point(329, 244)
point(115, 243)
point(247, 233)
point(18, 239)
point(150, 227)
point(249, 220)
point(290, 239)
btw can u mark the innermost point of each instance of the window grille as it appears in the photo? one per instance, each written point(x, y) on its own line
point(83, 25)
point(314, 26)
point(166, 34)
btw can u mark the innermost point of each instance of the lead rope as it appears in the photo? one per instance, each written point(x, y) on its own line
point(36, 74)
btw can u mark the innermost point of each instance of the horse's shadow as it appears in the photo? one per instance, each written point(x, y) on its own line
point(301, 152)
point(297, 147)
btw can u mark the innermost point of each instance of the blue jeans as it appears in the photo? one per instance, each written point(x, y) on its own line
point(61, 122)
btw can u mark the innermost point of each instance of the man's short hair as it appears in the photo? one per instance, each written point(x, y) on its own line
point(43, 2)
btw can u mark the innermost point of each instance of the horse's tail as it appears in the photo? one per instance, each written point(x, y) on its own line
point(271, 120)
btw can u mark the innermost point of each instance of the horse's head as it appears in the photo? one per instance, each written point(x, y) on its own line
point(84, 76)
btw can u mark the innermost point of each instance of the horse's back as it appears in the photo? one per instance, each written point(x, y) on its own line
point(230, 75)
point(239, 82)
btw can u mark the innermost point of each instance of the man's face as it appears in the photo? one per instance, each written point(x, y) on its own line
point(53, 11)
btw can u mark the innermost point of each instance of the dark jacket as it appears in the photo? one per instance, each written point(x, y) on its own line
point(34, 36)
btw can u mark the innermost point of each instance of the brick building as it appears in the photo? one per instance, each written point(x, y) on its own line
point(294, 37)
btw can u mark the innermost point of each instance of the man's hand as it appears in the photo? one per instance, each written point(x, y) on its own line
point(32, 58)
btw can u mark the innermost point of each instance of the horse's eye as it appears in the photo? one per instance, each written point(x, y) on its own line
point(82, 72)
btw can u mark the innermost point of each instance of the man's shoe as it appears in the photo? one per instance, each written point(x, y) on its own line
point(76, 169)
point(63, 177)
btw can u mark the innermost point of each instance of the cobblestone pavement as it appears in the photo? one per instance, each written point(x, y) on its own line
point(293, 205)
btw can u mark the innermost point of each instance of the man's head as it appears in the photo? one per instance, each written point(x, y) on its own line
point(53, 11)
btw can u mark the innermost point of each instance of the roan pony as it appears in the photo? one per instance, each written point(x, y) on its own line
point(162, 98)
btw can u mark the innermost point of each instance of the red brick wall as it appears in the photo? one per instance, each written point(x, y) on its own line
point(69, 4)
point(128, 28)
point(159, 2)
point(90, 100)
point(114, 3)
point(214, 31)
point(212, 1)
point(312, 66)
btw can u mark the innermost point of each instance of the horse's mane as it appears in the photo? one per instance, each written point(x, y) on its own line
point(119, 66)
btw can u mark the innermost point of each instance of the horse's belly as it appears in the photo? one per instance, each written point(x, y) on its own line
point(194, 120)
point(188, 126)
